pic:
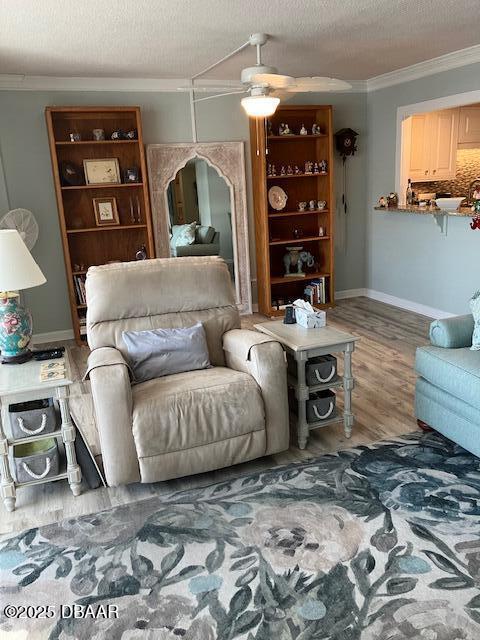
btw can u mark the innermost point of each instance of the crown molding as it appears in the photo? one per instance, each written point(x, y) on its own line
point(452, 60)
point(19, 82)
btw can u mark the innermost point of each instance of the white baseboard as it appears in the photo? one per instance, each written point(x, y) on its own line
point(53, 336)
point(350, 293)
point(409, 305)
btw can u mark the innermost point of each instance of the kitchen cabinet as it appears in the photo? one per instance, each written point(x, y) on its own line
point(433, 146)
point(469, 127)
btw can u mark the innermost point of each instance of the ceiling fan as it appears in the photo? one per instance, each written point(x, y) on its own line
point(262, 82)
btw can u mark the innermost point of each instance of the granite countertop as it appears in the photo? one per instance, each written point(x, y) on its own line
point(464, 212)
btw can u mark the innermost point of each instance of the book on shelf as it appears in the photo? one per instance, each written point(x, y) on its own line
point(79, 282)
point(316, 291)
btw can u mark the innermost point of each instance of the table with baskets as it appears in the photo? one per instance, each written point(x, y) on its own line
point(313, 376)
point(37, 434)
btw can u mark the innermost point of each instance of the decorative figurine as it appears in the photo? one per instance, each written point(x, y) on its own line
point(312, 205)
point(289, 170)
point(281, 129)
point(382, 202)
point(296, 257)
point(131, 174)
point(308, 167)
point(392, 199)
point(98, 134)
point(316, 129)
point(269, 127)
point(286, 131)
point(274, 170)
point(283, 171)
point(321, 231)
point(75, 136)
point(316, 168)
point(118, 134)
point(141, 254)
point(296, 170)
point(131, 135)
point(297, 234)
point(302, 206)
point(269, 169)
point(321, 204)
point(323, 166)
point(303, 131)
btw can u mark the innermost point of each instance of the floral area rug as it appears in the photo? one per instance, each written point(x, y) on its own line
point(373, 543)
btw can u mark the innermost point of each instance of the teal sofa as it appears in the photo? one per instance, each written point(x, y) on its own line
point(447, 393)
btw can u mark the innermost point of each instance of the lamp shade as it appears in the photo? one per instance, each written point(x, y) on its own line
point(18, 270)
point(260, 106)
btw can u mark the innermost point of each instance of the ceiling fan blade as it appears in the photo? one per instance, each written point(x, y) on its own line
point(273, 80)
point(317, 83)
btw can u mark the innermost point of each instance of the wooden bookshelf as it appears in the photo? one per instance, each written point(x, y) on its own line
point(84, 242)
point(274, 230)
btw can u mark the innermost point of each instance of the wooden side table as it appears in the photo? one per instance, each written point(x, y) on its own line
point(302, 344)
point(21, 383)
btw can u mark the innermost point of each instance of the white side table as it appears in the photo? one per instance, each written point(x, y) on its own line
point(302, 344)
point(21, 383)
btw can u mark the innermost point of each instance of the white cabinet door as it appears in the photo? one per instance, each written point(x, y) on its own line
point(469, 127)
point(443, 144)
point(419, 151)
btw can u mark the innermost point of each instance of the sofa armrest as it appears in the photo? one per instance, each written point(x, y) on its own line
point(112, 400)
point(264, 359)
point(452, 333)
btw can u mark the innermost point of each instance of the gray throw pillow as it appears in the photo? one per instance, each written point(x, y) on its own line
point(205, 235)
point(163, 352)
point(475, 307)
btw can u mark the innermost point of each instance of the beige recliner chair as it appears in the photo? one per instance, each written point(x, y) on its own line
point(189, 422)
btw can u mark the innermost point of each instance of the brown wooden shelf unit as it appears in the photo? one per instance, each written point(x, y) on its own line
point(275, 230)
point(85, 243)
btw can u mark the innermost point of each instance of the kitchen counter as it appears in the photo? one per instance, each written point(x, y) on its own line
point(464, 212)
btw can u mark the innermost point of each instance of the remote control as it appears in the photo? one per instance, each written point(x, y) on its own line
point(48, 354)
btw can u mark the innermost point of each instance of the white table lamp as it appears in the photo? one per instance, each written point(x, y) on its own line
point(18, 270)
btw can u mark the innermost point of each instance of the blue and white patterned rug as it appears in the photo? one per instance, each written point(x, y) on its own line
point(372, 543)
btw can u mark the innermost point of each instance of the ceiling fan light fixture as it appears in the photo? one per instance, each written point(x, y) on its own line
point(260, 105)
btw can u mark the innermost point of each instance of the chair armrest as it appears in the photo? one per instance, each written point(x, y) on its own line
point(264, 359)
point(112, 401)
point(452, 333)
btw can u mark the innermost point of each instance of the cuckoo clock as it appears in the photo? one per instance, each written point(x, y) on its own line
point(345, 142)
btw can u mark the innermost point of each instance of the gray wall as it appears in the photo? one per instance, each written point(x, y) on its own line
point(166, 118)
point(407, 256)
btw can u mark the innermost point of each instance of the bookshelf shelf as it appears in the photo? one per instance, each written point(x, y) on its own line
point(84, 242)
point(305, 278)
point(296, 137)
point(296, 175)
point(121, 227)
point(298, 240)
point(286, 214)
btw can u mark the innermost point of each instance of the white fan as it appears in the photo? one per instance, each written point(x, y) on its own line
point(263, 83)
point(24, 222)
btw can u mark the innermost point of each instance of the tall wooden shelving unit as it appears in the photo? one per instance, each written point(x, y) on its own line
point(275, 230)
point(84, 243)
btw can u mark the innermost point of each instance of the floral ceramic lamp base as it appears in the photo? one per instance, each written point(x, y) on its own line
point(15, 330)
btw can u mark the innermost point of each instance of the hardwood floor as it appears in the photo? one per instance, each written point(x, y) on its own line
point(382, 403)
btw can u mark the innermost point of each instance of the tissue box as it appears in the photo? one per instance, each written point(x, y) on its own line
point(313, 319)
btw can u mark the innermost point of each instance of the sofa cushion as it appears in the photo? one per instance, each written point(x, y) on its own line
point(456, 371)
point(183, 234)
point(195, 408)
point(205, 235)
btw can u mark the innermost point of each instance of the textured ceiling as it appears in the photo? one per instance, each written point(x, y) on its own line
point(352, 39)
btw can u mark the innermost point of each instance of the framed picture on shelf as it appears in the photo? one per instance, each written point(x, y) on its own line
point(102, 171)
point(106, 212)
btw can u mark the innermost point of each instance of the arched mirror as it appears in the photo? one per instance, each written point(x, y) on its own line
point(199, 206)
point(200, 213)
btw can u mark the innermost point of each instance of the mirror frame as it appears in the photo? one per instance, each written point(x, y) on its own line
point(228, 159)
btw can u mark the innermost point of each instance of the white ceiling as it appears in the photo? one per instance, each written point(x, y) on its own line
point(352, 39)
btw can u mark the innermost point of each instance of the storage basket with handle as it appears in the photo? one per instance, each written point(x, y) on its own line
point(32, 418)
point(321, 370)
point(321, 406)
point(35, 460)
